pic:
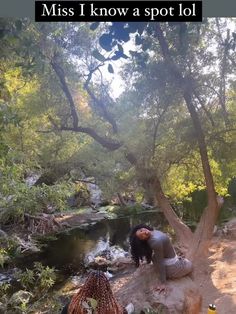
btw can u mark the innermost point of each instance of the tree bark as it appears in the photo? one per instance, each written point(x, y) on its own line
point(204, 231)
point(183, 232)
point(151, 183)
point(208, 219)
point(205, 227)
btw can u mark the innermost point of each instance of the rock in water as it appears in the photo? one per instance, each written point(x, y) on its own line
point(182, 297)
point(95, 194)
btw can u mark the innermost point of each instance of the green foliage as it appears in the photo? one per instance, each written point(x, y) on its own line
point(18, 198)
point(153, 121)
point(3, 257)
point(90, 306)
point(4, 287)
point(128, 210)
point(39, 279)
point(26, 278)
point(36, 283)
point(8, 250)
point(232, 189)
point(17, 303)
point(193, 205)
point(46, 276)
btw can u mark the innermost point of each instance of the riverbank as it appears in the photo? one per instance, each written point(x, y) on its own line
point(215, 276)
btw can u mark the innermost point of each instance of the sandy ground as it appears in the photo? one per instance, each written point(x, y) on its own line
point(216, 277)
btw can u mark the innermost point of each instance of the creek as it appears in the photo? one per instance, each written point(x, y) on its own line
point(69, 250)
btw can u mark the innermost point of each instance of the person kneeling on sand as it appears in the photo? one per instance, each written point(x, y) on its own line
point(156, 246)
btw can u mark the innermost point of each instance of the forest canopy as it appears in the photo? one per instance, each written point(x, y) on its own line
point(171, 128)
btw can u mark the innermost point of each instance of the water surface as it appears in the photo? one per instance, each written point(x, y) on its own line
point(68, 250)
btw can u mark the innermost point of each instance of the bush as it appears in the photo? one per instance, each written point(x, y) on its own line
point(39, 279)
point(128, 210)
point(8, 250)
point(23, 199)
point(194, 205)
point(232, 189)
point(34, 293)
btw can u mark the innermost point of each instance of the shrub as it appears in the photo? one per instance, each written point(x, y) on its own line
point(194, 204)
point(39, 279)
point(23, 199)
point(232, 189)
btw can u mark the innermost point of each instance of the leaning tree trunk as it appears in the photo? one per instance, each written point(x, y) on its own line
point(183, 232)
point(150, 182)
point(205, 228)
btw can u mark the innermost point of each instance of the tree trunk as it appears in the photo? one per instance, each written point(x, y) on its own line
point(183, 232)
point(208, 219)
point(205, 227)
point(151, 183)
point(204, 231)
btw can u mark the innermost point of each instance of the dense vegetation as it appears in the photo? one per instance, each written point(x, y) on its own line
point(170, 132)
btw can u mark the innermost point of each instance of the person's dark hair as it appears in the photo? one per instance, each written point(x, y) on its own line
point(139, 248)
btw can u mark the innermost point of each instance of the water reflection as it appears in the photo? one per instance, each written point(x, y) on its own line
point(68, 251)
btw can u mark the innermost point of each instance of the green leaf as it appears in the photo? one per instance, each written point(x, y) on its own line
point(93, 303)
point(96, 54)
point(110, 68)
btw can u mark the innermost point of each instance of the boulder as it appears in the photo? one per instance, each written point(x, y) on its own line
point(230, 228)
point(182, 296)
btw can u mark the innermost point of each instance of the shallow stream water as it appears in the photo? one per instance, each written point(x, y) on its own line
point(68, 250)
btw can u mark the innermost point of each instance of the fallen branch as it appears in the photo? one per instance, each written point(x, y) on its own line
point(42, 224)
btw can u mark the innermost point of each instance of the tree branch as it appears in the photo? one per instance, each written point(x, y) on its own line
point(204, 107)
point(158, 122)
point(105, 142)
point(187, 87)
point(61, 75)
point(103, 110)
point(223, 66)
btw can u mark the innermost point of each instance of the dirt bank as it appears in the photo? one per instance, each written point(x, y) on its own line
point(216, 276)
